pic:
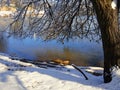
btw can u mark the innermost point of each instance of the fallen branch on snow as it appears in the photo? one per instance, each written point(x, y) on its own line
point(80, 71)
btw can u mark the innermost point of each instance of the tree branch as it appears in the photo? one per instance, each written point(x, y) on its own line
point(80, 71)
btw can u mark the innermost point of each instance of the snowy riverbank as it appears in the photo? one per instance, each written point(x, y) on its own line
point(17, 75)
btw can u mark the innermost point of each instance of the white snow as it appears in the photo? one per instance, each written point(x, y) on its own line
point(6, 13)
point(17, 75)
point(10, 13)
point(114, 4)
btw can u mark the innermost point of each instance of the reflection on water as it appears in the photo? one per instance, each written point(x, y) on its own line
point(79, 52)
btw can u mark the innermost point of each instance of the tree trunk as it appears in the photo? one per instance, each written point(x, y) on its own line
point(108, 22)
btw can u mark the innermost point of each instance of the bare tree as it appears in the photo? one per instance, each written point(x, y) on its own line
point(62, 20)
point(70, 19)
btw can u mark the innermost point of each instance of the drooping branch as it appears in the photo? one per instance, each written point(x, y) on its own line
point(61, 20)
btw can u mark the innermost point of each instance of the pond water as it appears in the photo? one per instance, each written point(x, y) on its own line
point(80, 52)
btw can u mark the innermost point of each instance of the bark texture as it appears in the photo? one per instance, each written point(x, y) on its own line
point(108, 22)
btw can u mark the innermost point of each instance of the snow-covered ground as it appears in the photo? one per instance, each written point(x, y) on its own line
point(17, 75)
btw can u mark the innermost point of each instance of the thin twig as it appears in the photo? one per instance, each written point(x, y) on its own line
point(80, 71)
